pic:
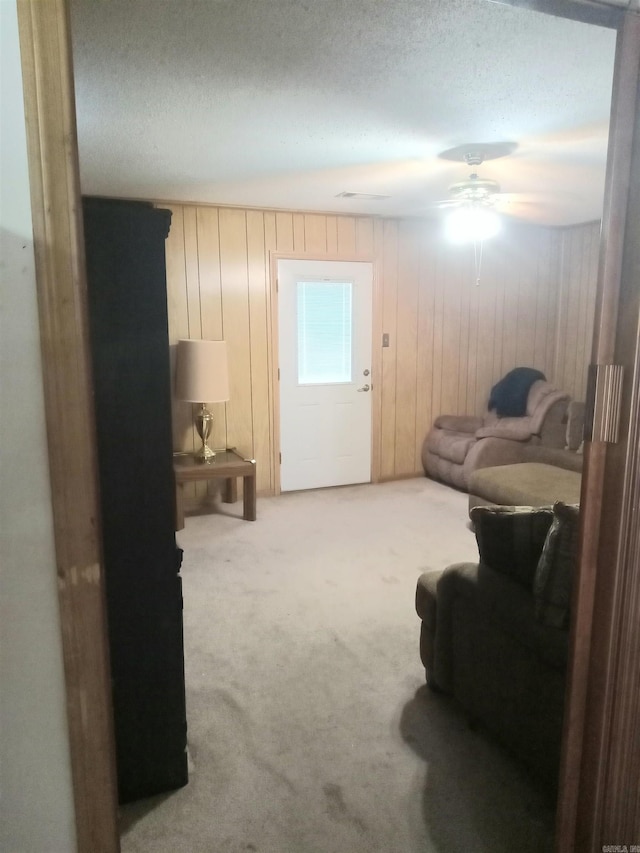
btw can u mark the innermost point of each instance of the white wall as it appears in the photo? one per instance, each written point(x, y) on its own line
point(36, 805)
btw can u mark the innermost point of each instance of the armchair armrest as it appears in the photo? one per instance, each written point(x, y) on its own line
point(458, 580)
point(458, 423)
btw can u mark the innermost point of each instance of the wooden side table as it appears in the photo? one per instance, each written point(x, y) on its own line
point(226, 464)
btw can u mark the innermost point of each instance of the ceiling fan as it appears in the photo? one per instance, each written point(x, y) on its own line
point(474, 190)
point(480, 193)
point(474, 218)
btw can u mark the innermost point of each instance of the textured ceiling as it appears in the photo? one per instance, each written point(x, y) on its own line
point(287, 103)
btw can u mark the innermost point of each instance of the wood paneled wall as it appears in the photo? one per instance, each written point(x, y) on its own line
point(450, 338)
point(576, 306)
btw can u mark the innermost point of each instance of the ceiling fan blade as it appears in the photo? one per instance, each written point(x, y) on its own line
point(550, 198)
point(528, 211)
point(447, 202)
point(522, 208)
point(508, 202)
point(443, 204)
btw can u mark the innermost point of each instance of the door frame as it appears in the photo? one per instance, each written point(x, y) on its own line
point(376, 355)
point(54, 180)
point(362, 281)
point(610, 470)
point(604, 632)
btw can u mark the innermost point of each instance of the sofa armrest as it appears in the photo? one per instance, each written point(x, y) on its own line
point(513, 429)
point(491, 452)
point(458, 423)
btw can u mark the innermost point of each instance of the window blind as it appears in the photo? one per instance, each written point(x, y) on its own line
point(324, 315)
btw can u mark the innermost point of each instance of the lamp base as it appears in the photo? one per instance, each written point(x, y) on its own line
point(205, 454)
point(204, 425)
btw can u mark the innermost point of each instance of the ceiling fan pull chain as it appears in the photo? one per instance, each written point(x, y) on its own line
point(477, 259)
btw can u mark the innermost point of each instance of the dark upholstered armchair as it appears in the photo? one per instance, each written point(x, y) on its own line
point(494, 634)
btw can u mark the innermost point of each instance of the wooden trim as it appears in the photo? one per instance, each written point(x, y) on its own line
point(604, 398)
point(619, 780)
point(44, 28)
point(376, 358)
point(61, 288)
point(587, 738)
point(274, 257)
point(347, 258)
point(608, 799)
point(394, 478)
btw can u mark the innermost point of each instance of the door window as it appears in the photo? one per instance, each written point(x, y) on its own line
point(324, 319)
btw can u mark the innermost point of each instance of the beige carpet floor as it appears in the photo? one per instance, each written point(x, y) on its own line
point(310, 728)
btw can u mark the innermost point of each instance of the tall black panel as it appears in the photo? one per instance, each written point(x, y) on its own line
point(125, 252)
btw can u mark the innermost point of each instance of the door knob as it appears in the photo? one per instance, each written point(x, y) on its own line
point(364, 388)
point(365, 372)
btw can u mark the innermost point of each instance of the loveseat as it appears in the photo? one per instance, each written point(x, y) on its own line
point(457, 445)
point(494, 634)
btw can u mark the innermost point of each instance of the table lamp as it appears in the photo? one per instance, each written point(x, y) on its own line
point(202, 377)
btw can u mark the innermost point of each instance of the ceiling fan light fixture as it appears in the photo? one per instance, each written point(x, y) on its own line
point(471, 224)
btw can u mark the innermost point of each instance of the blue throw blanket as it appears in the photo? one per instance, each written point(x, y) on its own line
point(509, 396)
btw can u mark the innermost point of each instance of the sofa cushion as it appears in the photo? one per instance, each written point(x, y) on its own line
point(568, 459)
point(526, 483)
point(510, 608)
point(510, 538)
point(487, 598)
point(554, 573)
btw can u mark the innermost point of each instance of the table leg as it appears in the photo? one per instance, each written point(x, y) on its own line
point(249, 494)
point(230, 490)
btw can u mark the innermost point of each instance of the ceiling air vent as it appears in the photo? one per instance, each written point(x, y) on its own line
point(363, 196)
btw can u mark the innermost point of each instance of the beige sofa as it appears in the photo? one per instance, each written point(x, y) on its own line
point(536, 475)
point(458, 445)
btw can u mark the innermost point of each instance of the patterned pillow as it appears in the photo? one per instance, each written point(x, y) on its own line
point(510, 538)
point(554, 574)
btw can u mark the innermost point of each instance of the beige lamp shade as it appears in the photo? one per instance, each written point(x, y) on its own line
point(202, 375)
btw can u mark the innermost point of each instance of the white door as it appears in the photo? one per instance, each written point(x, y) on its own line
point(324, 320)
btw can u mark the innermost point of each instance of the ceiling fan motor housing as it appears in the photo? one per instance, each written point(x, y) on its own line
point(474, 158)
point(475, 189)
